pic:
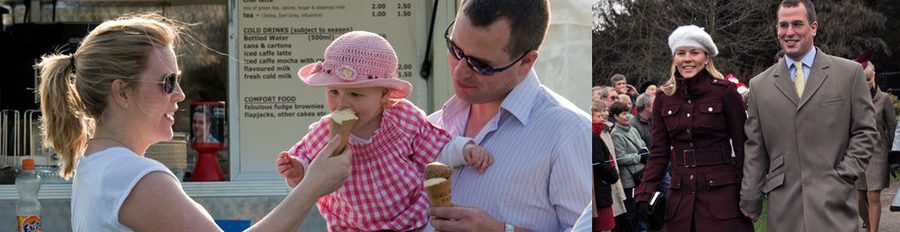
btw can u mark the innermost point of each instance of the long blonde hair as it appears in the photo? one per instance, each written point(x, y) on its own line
point(74, 87)
point(670, 86)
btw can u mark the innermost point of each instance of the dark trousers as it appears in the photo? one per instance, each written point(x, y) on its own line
point(632, 220)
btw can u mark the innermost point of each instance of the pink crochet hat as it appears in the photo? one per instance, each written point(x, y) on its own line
point(357, 59)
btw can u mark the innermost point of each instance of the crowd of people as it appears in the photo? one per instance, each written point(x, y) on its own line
point(701, 151)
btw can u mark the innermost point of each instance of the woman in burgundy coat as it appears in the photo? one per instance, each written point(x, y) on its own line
point(697, 127)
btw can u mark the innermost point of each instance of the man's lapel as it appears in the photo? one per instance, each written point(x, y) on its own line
point(817, 75)
point(783, 82)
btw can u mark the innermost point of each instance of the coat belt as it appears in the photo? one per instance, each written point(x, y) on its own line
point(716, 155)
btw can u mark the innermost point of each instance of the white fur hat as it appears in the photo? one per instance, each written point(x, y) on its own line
point(692, 36)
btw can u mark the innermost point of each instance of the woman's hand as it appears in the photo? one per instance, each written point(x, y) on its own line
point(327, 173)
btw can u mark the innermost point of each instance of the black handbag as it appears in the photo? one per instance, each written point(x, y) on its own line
point(638, 177)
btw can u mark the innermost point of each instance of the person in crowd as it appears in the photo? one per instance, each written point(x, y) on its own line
point(810, 132)
point(605, 173)
point(641, 120)
point(539, 180)
point(602, 128)
point(624, 99)
point(621, 86)
point(628, 144)
point(392, 139)
point(875, 179)
point(695, 122)
point(595, 92)
point(619, 82)
point(609, 95)
point(648, 87)
point(116, 95)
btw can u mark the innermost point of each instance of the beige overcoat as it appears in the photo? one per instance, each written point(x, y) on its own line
point(618, 193)
point(805, 152)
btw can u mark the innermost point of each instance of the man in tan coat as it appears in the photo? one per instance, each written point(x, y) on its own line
point(810, 131)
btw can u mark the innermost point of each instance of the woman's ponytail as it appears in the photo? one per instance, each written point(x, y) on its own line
point(66, 126)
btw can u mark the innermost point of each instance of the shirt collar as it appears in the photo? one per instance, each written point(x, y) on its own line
point(807, 59)
point(623, 127)
point(518, 102)
point(521, 99)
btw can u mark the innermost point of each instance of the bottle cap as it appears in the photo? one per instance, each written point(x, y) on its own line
point(28, 164)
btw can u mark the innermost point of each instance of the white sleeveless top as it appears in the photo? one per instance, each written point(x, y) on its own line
point(102, 182)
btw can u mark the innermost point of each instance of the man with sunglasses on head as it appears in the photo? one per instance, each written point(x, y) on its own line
point(540, 179)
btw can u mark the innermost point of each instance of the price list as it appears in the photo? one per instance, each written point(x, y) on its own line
point(275, 38)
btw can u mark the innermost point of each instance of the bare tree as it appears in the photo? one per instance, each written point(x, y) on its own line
point(848, 28)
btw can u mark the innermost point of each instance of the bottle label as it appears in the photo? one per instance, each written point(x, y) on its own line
point(31, 223)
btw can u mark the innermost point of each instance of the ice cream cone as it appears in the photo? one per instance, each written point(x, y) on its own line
point(438, 190)
point(342, 129)
point(341, 123)
point(436, 169)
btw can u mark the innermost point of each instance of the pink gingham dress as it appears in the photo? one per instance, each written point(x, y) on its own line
point(384, 191)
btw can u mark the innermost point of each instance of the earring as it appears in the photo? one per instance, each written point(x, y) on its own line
point(126, 105)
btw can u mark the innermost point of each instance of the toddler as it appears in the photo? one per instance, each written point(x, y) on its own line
point(391, 142)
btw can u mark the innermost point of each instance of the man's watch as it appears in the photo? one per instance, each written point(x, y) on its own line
point(509, 228)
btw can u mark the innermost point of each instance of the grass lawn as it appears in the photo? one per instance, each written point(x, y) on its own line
point(761, 223)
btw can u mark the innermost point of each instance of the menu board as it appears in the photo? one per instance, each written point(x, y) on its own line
point(275, 38)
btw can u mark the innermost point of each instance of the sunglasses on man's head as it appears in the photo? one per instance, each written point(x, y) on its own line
point(478, 66)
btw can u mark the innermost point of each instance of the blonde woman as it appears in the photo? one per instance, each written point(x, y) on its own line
point(875, 179)
point(115, 96)
point(695, 122)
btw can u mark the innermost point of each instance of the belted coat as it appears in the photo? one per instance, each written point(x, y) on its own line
point(699, 130)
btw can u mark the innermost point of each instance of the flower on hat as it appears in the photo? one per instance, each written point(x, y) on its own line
point(347, 73)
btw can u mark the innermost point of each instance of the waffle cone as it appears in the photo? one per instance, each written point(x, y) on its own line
point(342, 129)
point(438, 191)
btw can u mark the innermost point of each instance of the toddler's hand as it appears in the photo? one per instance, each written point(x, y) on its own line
point(290, 168)
point(477, 157)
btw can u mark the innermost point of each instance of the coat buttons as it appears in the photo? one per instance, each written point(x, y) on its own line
point(688, 115)
point(688, 131)
point(689, 101)
point(710, 109)
point(670, 112)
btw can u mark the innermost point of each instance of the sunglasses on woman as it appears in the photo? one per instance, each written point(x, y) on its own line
point(478, 66)
point(169, 81)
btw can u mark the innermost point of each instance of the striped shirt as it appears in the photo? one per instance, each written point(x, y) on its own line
point(384, 190)
point(541, 176)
